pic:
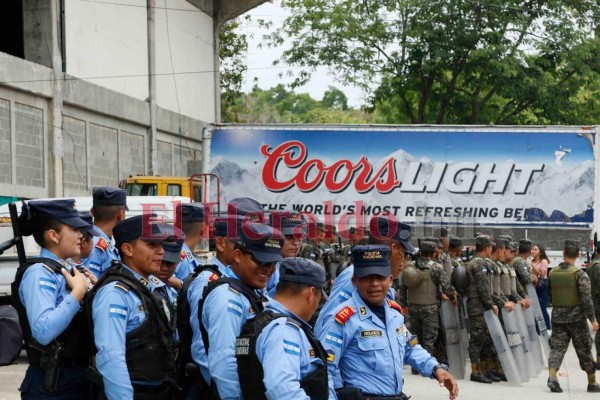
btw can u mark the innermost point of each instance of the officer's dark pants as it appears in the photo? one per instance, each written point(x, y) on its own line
point(425, 323)
point(562, 334)
point(72, 384)
point(481, 346)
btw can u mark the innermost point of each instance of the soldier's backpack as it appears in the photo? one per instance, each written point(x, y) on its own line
point(11, 337)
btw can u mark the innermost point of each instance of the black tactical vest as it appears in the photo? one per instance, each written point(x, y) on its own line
point(75, 340)
point(250, 370)
point(150, 348)
point(184, 328)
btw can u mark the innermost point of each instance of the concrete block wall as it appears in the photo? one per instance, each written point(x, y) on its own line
point(75, 161)
point(5, 143)
point(29, 151)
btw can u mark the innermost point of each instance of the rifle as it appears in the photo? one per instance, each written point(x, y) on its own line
point(17, 239)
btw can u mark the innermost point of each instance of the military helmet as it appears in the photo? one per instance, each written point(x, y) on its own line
point(411, 277)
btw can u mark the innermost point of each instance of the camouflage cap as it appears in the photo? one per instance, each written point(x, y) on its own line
point(455, 242)
point(483, 240)
point(427, 246)
point(441, 232)
point(505, 237)
point(572, 244)
point(513, 246)
point(433, 240)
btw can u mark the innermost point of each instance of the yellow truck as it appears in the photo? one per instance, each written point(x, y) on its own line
point(192, 187)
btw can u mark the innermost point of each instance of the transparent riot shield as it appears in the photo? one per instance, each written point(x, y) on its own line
point(502, 348)
point(513, 336)
point(464, 325)
point(539, 322)
point(530, 359)
point(536, 346)
point(456, 358)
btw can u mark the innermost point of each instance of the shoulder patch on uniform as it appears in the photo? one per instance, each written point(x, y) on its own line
point(342, 316)
point(214, 277)
point(235, 308)
point(311, 353)
point(330, 355)
point(344, 295)
point(334, 339)
point(412, 341)
point(394, 305)
point(47, 284)
point(123, 288)
point(363, 311)
point(291, 347)
point(101, 244)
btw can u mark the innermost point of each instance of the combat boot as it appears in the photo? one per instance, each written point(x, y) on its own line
point(593, 388)
point(555, 386)
point(491, 375)
point(479, 377)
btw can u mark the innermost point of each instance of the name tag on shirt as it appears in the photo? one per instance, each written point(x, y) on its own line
point(370, 334)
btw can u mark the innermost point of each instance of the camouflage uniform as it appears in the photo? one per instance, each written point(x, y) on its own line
point(311, 250)
point(446, 261)
point(570, 323)
point(479, 300)
point(593, 272)
point(498, 296)
point(424, 318)
point(523, 274)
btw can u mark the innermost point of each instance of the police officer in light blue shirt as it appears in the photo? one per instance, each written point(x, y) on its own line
point(293, 227)
point(236, 297)
point(48, 302)
point(108, 209)
point(192, 224)
point(366, 338)
point(294, 363)
point(133, 317)
point(383, 230)
point(172, 247)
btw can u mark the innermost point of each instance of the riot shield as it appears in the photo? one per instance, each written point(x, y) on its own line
point(536, 346)
point(502, 348)
point(539, 322)
point(513, 337)
point(463, 323)
point(456, 358)
point(530, 359)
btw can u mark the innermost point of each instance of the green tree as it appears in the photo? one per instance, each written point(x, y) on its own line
point(334, 98)
point(453, 61)
point(233, 47)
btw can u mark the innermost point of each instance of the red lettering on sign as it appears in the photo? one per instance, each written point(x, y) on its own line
point(337, 177)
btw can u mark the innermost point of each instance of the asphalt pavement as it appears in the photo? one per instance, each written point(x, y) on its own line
point(572, 379)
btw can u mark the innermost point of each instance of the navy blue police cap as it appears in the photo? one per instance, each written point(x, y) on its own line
point(88, 217)
point(248, 208)
point(263, 241)
point(227, 226)
point(109, 196)
point(190, 212)
point(62, 210)
point(303, 271)
point(173, 244)
point(147, 227)
point(386, 226)
point(371, 260)
point(289, 223)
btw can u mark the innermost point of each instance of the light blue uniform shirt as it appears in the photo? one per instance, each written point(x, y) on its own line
point(49, 305)
point(369, 354)
point(340, 292)
point(102, 255)
point(273, 281)
point(188, 263)
point(194, 294)
point(225, 312)
point(286, 355)
point(116, 312)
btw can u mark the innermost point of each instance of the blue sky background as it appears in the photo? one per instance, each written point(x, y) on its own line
point(242, 146)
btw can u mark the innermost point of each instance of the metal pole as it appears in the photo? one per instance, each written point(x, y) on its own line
point(152, 144)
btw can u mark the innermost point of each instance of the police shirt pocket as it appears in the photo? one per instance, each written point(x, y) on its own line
point(371, 347)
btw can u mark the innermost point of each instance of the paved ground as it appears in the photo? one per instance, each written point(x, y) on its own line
point(572, 380)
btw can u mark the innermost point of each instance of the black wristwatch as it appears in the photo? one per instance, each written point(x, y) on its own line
point(442, 366)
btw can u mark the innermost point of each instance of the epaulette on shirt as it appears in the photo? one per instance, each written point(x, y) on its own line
point(394, 305)
point(232, 289)
point(123, 288)
point(214, 277)
point(102, 245)
point(342, 316)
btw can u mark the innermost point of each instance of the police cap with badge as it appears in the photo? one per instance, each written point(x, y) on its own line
point(387, 227)
point(227, 226)
point(250, 209)
point(173, 244)
point(90, 229)
point(303, 271)
point(289, 223)
point(262, 241)
point(62, 210)
point(371, 260)
point(109, 196)
point(146, 227)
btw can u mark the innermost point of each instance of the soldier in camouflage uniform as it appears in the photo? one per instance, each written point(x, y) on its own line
point(445, 258)
point(312, 248)
point(419, 292)
point(521, 265)
point(572, 300)
point(516, 286)
point(479, 300)
point(593, 271)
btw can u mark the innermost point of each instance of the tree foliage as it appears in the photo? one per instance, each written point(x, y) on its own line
point(233, 47)
point(454, 61)
point(280, 105)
